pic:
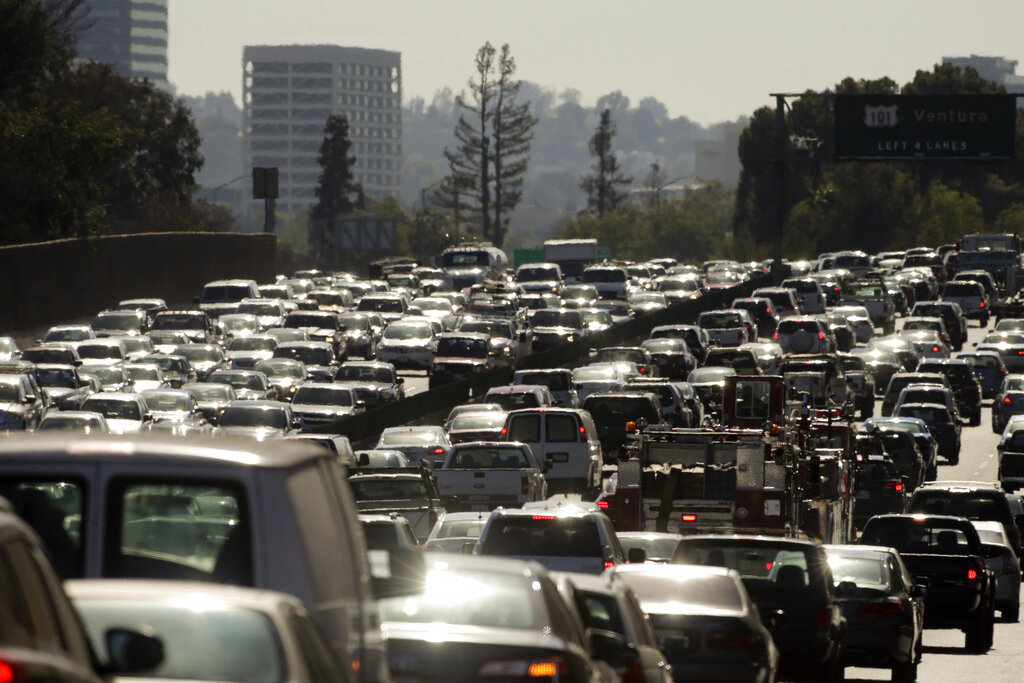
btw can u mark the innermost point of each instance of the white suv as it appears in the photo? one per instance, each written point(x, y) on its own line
point(804, 335)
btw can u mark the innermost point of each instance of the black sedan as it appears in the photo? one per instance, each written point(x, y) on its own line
point(885, 615)
point(487, 619)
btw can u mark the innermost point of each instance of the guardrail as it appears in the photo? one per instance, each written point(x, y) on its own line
point(441, 399)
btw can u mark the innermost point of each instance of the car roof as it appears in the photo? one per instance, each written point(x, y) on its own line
point(153, 591)
point(42, 447)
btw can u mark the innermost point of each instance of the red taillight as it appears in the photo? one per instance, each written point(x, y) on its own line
point(583, 435)
point(883, 607)
point(543, 517)
point(6, 672)
point(775, 336)
point(1007, 400)
point(767, 310)
point(821, 335)
point(768, 566)
point(981, 304)
point(602, 504)
point(689, 518)
point(731, 640)
point(608, 565)
point(1020, 353)
point(438, 451)
point(504, 432)
point(935, 349)
point(526, 485)
point(895, 485)
point(972, 574)
point(823, 620)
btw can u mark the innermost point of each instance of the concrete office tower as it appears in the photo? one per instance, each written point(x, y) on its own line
point(130, 35)
point(288, 93)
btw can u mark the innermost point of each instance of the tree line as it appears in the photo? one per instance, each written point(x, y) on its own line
point(87, 151)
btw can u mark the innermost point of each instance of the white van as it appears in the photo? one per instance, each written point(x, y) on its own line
point(278, 516)
point(566, 438)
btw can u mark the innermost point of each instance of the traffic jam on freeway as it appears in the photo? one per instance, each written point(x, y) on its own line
point(687, 471)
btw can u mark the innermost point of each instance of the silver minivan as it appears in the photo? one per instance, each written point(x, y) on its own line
point(566, 439)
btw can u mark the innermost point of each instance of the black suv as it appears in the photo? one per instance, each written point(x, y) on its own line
point(963, 382)
point(975, 500)
point(879, 489)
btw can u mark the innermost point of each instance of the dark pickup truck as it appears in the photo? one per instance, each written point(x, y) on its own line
point(946, 555)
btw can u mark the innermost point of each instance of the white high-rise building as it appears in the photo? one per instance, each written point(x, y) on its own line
point(130, 35)
point(288, 93)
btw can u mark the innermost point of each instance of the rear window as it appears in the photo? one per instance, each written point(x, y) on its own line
point(543, 536)
point(479, 457)
point(977, 505)
point(802, 286)
point(791, 326)
point(716, 592)
point(555, 381)
point(930, 537)
point(717, 321)
point(562, 428)
point(624, 408)
point(524, 428)
point(604, 275)
point(962, 289)
point(765, 567)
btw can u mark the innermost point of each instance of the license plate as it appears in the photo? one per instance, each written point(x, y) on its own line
point(478, 508)
point(560, 457)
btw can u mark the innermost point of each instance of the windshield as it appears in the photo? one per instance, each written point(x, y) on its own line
point(462, 348)
point(720, 321)
point(294, 320)
point(408, 438)
point(364, 373)
point(9, 392)
point(260, 308)
point(556, 318)
point(493, 329)
point(536, 274)
point(200, 354)
point(113, 409)
point(354, 322)
point(166, 401)
point(463, 259)
point(64, 379)
point(171, 321)
point(116, 322)
point(604, 275)
point(279, 370)
point(253, 380)
point(211, 392)
point(589, 373)
point(380, 305)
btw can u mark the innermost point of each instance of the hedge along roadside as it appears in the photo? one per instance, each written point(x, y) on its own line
point(441, 399)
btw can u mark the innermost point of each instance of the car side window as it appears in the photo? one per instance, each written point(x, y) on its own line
point(33, 609)
point(54, 511)
point(562, 623)
point(316, 653)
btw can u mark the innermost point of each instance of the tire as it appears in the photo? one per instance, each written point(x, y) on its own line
point(978, 637)
point(984, 321)
point(904, 672)
point(1012, 614)
point(801, 341)
point(867, 408)
point(976, 418)
point(833, 672)
point(954, 459)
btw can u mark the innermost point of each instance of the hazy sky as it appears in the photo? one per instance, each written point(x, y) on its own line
point(711, 61)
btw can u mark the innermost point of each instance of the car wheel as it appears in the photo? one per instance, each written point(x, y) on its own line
point(995, 421)
point(976, 418)
point(984, 321)
point(904, 672)
point(1012, 613)
point(978, 637)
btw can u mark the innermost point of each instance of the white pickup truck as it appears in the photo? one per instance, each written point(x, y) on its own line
point(482, 475)
point(409, 491)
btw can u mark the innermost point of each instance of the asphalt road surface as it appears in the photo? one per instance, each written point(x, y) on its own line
point(945, 660)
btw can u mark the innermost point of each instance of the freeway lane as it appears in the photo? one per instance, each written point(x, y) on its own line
point(945, 660)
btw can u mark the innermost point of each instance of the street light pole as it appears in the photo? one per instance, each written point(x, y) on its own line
point(230, 182)
point(423, 193)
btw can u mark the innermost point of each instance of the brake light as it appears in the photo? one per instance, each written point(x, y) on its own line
point(768, 566)
point(821, 335)
point(504, 432)
point(583, 434)
point(689, 518)
point(775, 336)
point(731, 640)
point(972, 574)
point(823, 619)
point(6, 672)
point(895, 485)
point(542, 517)
point(981, 304)
point(1007, 400)
point(935, 349)
point(602, 504)
point(438, 451)
point(882, 607)
point(768, 310)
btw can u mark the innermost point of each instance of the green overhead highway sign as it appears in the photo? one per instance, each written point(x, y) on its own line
point(965, 127)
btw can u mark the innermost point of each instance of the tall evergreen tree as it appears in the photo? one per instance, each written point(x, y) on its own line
point(600, 186)
point(493, 134)
point(337, 181)
point(468, 180)
point(512, 133)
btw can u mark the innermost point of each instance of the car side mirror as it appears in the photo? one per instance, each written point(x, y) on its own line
point(400, 380)
point(613, 648)
point(991, 550)
point(361, 404)
point(636, 556)
point(918, 590)
point(131, 651)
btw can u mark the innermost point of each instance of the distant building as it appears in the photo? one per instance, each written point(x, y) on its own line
point(130, 35)
point(288, 93)
point(998, 69)
point(720, 159)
